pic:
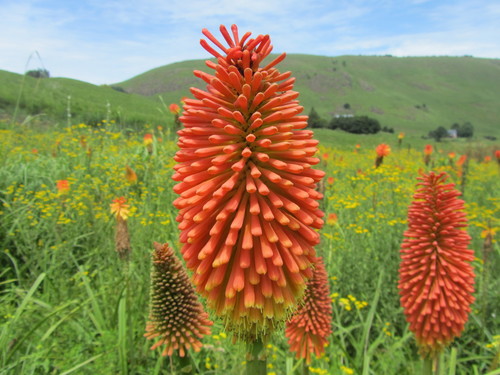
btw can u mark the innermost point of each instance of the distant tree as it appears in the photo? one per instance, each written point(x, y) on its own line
point(347, 106)
point(438, 133)
point(356, 125)
point(38, 73)
point(315, 121)
point(466, 130)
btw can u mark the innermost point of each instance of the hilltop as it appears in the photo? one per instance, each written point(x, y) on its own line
point(410, 94)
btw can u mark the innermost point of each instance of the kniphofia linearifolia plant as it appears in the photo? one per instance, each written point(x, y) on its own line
point(311, 325)
point(436, 278)
point(248, 205)
point(177, 320)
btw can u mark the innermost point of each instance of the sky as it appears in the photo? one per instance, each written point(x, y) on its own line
point(110, 41)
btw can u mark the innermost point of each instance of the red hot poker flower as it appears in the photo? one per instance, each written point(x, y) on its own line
point(248, 204)
point(381, 150)
point(311, 324)
point(62, 186)
point(436, 277)
point(428, 150)
point(176, 316)
point(174, 109)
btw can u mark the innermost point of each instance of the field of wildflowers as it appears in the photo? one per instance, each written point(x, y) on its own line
point(74, 299)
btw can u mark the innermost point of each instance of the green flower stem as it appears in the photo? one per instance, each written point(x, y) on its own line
point(427, 366)
point(256, 358)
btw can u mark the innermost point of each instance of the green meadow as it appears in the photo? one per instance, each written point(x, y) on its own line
point(70, 305)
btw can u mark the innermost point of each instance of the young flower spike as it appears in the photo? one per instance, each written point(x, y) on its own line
point(435, 275)
point(176, 316)
point(248, 204)
point(311, 324)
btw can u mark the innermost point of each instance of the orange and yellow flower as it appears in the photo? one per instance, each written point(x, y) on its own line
point(436, 276)
point(382, 150)
point(120, 208)
point(62, 187)
point(248, 205)
point(174, 109)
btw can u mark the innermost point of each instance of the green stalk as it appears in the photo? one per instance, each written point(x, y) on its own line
point(427, 366)
point(305, 368)
point(256, 358)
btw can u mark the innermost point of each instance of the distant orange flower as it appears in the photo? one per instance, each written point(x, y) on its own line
point(331, 219)
point(330, 180)
point(120, 209)
point(452, 155)
point(401, 135)
point(497, 156)
point(428, 150)
point(487, 158)
point(461, 160)
point(358, 146)
point(62, 186)
point(325, 156)
point(174, 109)
point(34, 151)
point(148, 139)
point(436, 277)
point(309, 328)
point(382, 150)
point(248, 209)
point(130, 175)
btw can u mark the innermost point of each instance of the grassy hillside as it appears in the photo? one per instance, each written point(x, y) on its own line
point(411, 94)
point(48, 98)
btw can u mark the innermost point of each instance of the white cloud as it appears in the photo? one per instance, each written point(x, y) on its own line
point(110, 41)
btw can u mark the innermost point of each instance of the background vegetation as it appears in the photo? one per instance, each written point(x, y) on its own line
point(70, 305)
point(414, 95)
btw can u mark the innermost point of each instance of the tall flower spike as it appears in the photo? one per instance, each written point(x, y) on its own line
point(311, 324)
point(176, 316)
point(436, 278)
point(248, 204)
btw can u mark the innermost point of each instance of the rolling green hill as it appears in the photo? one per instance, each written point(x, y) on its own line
point(411, 94)
point(51, 98)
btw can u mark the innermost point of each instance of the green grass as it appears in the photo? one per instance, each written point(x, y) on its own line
point(69, 305)
point(51, 99)
point(453, 89)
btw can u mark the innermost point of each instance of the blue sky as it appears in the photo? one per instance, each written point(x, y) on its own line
point(102, 41)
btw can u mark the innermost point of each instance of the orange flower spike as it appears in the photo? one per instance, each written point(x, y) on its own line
point(497, 156)
point(382, 150)
point(176, 316)
point(436, 277)
point(174, 109)
point(308, 329)
point(148, 139)
point(120, 209)
point(247, 200)
point(62, 187)
point(130, 175)
point(428, 150)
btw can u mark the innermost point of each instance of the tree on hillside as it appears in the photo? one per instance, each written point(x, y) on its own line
point(438, 133)
point(315, 121)
point(38, 73)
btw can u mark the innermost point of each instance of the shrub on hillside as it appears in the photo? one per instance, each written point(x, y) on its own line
point(315, 121)
point(38, 73)
point(356, 125)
